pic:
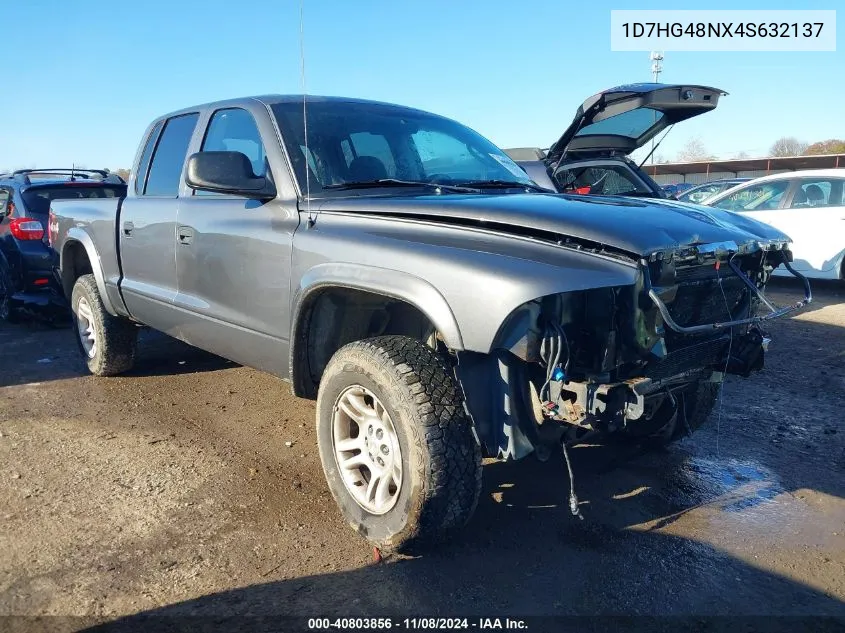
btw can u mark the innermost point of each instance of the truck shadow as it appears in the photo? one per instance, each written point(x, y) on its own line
point(524, 555)
point(162, 355)
point(37, 352)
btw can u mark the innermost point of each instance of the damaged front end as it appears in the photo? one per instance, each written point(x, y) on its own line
point(623, 359)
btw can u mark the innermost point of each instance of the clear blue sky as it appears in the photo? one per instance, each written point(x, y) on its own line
point(84, 79)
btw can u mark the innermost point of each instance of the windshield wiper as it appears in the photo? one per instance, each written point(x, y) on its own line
point(395, 182)
point(505, 184)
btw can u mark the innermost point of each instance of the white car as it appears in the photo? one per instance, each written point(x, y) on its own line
point(806, 205)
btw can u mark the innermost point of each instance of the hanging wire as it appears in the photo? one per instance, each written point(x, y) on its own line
point(728, 359)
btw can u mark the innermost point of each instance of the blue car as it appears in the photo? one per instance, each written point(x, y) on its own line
point(677, 190)
point(27, 282)
point(701, 193)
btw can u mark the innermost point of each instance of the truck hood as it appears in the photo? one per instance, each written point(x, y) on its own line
point(625, 118)
point(636, 226)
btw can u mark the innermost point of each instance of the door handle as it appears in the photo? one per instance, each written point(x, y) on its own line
point(185, 235)
point(128, 227)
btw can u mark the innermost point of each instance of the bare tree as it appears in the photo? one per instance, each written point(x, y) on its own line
point(741, 155)
point(788, 146)
point(694, 151)
point(830, 146)
point(123, 173)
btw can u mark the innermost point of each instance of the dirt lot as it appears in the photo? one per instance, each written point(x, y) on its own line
point(173, 490)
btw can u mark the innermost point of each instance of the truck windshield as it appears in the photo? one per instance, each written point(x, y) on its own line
point(352, 142)
point(37, 199)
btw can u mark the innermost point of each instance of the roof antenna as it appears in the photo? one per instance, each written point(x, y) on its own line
point(72, 169)
point(311, 219)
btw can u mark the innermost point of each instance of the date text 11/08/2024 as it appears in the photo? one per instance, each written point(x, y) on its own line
point(436, 624)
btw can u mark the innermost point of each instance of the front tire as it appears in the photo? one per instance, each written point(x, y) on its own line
point(671, 424)
point(399, 452)
point(107, 342)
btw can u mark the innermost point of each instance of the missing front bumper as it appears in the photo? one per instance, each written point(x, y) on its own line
point(774, 312)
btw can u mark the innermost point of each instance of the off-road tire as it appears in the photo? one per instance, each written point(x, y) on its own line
point(697, 402)
point(441, 456)
point(117, 338)
point(8, 312)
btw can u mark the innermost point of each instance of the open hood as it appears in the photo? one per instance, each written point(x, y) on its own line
point(625, 118)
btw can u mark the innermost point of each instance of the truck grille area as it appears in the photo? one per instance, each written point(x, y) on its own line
point(704, 295)
point(704, 354)
point(700, 299)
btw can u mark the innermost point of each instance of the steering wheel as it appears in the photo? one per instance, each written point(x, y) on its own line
point(441, 179)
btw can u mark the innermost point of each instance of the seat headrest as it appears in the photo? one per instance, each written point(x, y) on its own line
point(366, 168)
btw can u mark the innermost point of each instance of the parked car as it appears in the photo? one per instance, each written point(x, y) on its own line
point(806, 205)
point(400, 269)
point(676, 189)
point(592, 155)
point(700, 193)
point(26, 260)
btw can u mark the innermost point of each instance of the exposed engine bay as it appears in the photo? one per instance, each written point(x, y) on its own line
point(625, 359)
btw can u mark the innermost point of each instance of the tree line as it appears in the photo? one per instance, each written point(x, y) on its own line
point(695, 150)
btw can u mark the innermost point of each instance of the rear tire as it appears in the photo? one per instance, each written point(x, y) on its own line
point(8, 311)
point(435, 481)
point(107, 342)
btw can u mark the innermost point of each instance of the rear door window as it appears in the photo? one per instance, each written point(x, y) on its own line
point(817, 192)
point(633, 124)
point(144, 163)
point(169, 158)
point(611, 180)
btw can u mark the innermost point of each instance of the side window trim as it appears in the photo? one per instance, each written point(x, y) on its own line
point(147, 157)
point(793, 184)
point(787, 194)
point(838, 190)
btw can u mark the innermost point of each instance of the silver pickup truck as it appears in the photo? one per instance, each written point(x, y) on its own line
point(403, 271)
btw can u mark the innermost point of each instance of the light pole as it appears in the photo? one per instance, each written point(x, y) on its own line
point(656, 64)
point(656, 68)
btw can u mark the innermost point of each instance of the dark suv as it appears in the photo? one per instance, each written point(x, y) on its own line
point(27, 281)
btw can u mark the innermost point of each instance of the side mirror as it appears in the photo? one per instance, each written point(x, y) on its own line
point(227, 172)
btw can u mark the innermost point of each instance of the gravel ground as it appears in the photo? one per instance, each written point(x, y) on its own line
point(174, 491)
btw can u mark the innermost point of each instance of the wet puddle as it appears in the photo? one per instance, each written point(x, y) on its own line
point(731, 484)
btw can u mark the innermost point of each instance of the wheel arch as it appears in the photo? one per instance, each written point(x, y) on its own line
point(378, 288)
point(78, 257)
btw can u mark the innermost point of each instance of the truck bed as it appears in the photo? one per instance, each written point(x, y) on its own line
point(90, 221)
